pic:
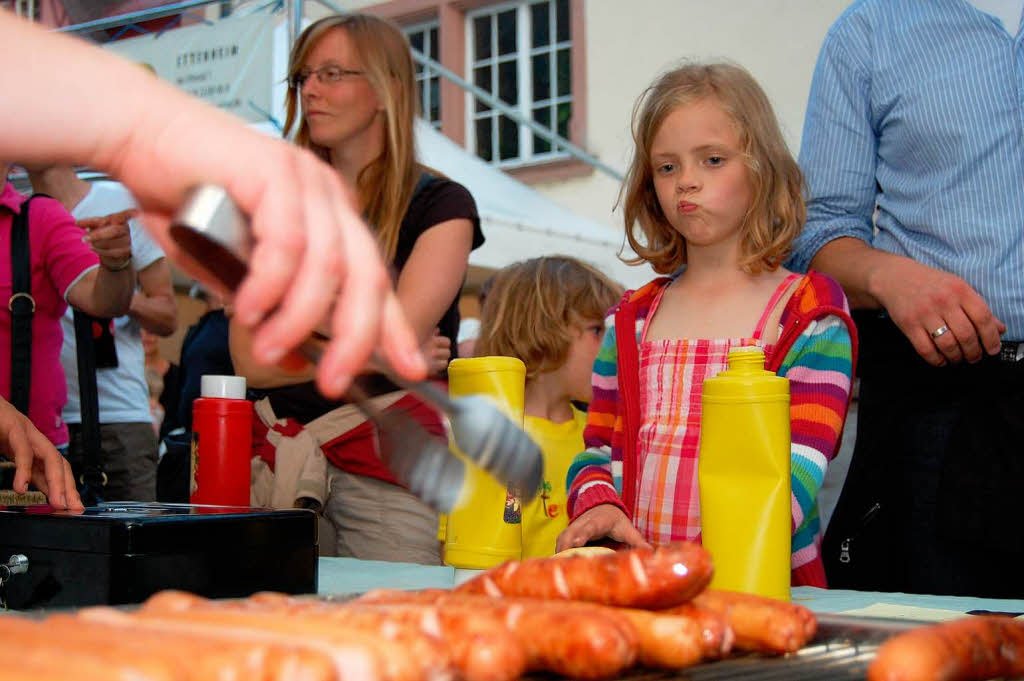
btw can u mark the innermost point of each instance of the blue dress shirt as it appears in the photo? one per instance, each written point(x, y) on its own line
point(917, 108)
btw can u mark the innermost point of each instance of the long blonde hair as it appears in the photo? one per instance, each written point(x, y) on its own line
point(777, 210)
point(386, 184)
point(533, 306)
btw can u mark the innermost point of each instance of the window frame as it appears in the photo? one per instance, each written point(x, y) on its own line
point(452, 17)
point(524, 54)
point(424, 78)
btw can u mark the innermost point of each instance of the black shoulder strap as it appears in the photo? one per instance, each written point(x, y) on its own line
point(92, 477)
point(22, 307)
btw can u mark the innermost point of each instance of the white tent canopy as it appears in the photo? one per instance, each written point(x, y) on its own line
point(519, 222)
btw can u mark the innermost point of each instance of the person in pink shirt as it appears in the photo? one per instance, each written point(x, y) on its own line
point(65, 269)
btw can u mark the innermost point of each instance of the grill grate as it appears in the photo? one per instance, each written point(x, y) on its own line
point(841, 651)
point(825, 661)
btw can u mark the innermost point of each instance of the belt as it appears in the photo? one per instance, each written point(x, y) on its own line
point(1011, 351)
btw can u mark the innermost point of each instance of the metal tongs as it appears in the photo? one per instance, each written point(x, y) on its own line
point(212, 230)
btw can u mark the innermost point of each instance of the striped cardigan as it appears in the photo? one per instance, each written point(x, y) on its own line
point(816, 351)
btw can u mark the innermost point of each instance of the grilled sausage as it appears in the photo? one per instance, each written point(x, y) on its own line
point(392, 659)
point(662, 641)
point(665, 641)
point(32, 650)
point(480, 647)
point(206, 658)
point(483, 651)
point(418, 634)
point(556, 636)
point(632, 578)
point(762, 625)
point(715, 636)
point(960, 650)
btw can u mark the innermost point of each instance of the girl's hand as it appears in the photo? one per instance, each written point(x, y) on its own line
point(110, 237)
point(604, 520)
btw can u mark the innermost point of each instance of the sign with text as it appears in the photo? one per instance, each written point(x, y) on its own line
point(228, 63)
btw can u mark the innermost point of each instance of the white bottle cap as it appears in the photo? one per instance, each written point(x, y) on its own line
point(227, 387)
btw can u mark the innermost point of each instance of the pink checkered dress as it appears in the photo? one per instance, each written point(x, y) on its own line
point(672, 374)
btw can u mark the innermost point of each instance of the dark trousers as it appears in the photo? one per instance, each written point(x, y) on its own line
point(129, 456)
point(933, 499)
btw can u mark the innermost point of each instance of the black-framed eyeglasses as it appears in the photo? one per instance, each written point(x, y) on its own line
point(326, 75)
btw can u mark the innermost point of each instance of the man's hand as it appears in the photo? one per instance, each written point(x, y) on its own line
point(36, 459)
point(110, 237)
point(922, 300)
point(604, 520)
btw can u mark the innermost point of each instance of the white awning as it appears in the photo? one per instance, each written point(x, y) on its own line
point(520, 222)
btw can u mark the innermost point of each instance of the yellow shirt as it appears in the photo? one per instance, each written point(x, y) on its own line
point(546, 516)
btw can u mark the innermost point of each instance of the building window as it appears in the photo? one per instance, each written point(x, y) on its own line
point(520, 53)
point(424, 39)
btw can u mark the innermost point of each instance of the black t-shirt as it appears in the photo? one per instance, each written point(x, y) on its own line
point(435, 200)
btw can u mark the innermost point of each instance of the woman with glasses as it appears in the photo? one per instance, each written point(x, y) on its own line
point(353, 98)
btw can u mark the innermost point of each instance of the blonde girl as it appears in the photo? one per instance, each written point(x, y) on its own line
point(352, 101)
point(713, 198)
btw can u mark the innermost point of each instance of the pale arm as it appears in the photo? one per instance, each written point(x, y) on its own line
point(106, 291)
point(102, 293)
point(433, 275)
point(154, 306)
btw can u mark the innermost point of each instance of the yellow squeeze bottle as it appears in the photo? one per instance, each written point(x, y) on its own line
point(744, 476)
point(485, 529)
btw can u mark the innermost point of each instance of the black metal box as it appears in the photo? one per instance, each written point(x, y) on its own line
point(123, 552)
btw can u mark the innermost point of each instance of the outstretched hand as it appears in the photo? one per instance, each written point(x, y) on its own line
point(314, 263)
point(311, 251)
point(604, 520)
point(110, 237)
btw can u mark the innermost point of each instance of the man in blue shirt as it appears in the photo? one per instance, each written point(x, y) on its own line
point(913, 148)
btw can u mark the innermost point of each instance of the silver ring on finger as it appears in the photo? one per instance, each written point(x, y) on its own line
point(939, 331)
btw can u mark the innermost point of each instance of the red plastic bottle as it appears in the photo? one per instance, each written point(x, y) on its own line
point(221, 442)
